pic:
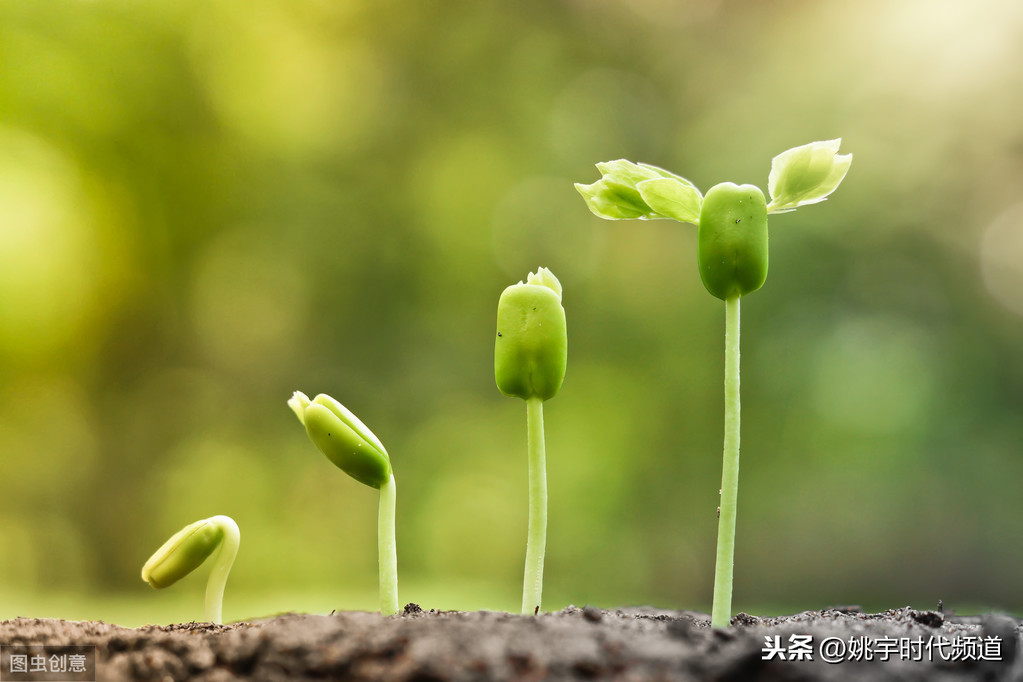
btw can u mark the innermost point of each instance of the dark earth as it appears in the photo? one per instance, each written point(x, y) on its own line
point(575, 643)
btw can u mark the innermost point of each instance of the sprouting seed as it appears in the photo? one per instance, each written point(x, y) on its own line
point(354, 449)
point(187, 549)
point(530, 358)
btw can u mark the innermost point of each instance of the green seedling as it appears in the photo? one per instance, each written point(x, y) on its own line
point(732, 258)
point(187, 549)
point(530, 356)
point(355, 450)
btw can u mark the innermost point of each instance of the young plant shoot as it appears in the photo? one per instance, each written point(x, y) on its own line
point(355, 450)
point(187, 549)
point(732, 257)
point(530, 356)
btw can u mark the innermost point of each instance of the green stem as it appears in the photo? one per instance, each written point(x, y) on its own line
point(387, 549)
point(536, 541)
point(722, 609)
point(221, 567)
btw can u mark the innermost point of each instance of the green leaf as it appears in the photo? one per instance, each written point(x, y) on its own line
point(618, 195)
point(605, 203)
point(627, 172)
point(806, 175)
point(664, 173)
point(672, 198)
point(624, 195)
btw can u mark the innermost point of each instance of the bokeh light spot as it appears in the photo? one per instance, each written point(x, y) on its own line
point(538, 222)
point(875, 376)
point(607, 114)
point(1001, 259)
point(249, 303)
point(287, 89)
point(48, 274)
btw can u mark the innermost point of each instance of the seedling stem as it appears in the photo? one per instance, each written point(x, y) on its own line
point(187, 549)
point(387, 549)
point(722, 608)
point(536, 541)
point(221, 567)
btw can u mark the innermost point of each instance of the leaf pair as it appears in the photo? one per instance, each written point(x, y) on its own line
point(800, 176)
point(628, 190)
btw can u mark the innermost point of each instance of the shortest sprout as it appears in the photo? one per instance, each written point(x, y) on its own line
point(187, 549)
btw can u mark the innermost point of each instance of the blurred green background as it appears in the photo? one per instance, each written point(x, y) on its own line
point(207, 205)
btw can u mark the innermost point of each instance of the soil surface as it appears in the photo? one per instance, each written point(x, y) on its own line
point(576, 643)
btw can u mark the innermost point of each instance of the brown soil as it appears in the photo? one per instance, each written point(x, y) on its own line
point(588, 643)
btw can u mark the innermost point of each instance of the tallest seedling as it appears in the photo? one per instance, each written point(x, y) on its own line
point(732, 255)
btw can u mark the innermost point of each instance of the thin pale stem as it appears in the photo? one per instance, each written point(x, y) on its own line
point(721, 612)
point(387, 549)
point(221, 567)
point(536, 541)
